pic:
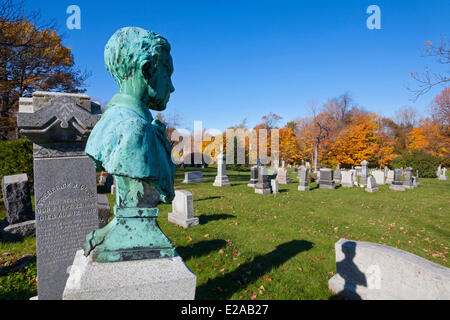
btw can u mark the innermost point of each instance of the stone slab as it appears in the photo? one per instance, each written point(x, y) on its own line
point(150, 279)
point(397, 187)
point(184, 222)
point(17, 231)
point(16, 198)
point(193, 176)
point(66, 211)
point(371, 271)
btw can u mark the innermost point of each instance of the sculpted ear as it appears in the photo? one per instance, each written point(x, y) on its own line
point(148, 69)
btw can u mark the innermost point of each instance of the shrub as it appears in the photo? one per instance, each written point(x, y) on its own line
point(426, 163)
point(16, 157)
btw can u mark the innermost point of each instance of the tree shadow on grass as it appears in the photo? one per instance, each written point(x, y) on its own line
point(205, 218)
point(225, 286)
point(201, 248)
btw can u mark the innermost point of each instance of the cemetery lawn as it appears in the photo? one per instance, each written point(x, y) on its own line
point(252, 246)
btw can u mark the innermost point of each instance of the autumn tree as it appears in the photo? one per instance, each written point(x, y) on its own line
point(32, 57)
point(440, 109)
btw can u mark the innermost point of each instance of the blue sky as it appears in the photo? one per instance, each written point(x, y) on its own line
point(244, 59)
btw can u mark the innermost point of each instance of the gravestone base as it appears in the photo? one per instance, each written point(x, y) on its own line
point(327, 186)
point(371, 189)
point(347, 185)
point(17, 231)
point(177, 219)
point(262, 191)
point(397, 187)
point(442, 177)
point(303, 188)
point(150, 279)
point(221, 182)
point(408, 187)
point(252, 185)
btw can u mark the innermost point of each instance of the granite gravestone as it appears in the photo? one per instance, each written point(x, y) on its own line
point(183, 210)
point(408, 183)
point(303, 179)
point(253, 176)
point(262, 187)
point(274, 186)
point(371, 185)
point(65, 185)
point(364, 173)
point(347, 180)
point(326, 179)
point(397, 183)
point(390, 176)
point(221, 178)
point(283, 176)
point(19, 221)
point(379, 176)
point(193, 176)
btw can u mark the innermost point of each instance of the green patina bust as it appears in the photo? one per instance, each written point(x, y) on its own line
point(129, 144)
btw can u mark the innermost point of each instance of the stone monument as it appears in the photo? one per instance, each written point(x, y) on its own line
point(253, 176)
point(283, 176)
point(347, 179)
point(183, 210)
point(371, 185)
point(65, 186)
point(221, 178)
point(443, 174)
point(364, 173)
point(379, 176)
point(262, 187)
point(397, 183)
point(193, 176)
point(390, 176)
point(326, 179)
point(409, 182)
point(20, 220)
point(303, 174)
point(131, 258)
point(274, 186)
point(337, 174)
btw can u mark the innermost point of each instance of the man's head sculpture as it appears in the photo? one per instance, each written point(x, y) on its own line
point(140, 62)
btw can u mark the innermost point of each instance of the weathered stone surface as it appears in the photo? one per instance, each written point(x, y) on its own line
point(17, 231)
point(274, 186)
point(253, 176)
point(337, 174)
point(104, 210)
point(262, 187)
point(193, 176)
point(221, 178)
point(326, 179)
point(364, 173)
point(379, 176)
point(347, 180)
point(17, 199)
point(65, 181)
point(371, 271)
point(149, 279)
point(183, 209)
point(390, 176)
point(283, 176)
point(371, 185)
point(303, 174)
point(397, 184)
point(408, 183)
point(443, 174)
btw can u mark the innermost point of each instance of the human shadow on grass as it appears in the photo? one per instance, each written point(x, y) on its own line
point(201, 248)
point(205, 218)
point(225, 286)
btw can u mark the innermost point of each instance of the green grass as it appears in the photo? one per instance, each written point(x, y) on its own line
point(251, 246)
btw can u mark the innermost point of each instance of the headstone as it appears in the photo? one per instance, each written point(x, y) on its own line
point(183, 210)
point(416, 179)
point(326, 179)
point(221, 178)
point(364, 173)
point(104, 210)
point(303, 179)
point(371, 185)
point(371, 271)
point(65, 185)
point(354, 177)
point(358, 171)
point(347, 179)
point(283, 163)
point(397, 183)
point(102, 178)
point(274, 186)
point(17, 199)
point(438, 171)
point(193, 176)
point(283, 176)
point(106, 180)
point(408, 183)
point(262, 187)
point(443, 175)
point(253, 176)
point(337, 174)
point(379, 176)
point(390, 176)
point(113, 188)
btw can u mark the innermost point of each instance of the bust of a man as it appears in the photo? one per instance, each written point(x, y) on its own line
point(129, 144)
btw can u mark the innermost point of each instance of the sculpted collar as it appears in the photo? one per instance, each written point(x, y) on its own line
point(125, 100)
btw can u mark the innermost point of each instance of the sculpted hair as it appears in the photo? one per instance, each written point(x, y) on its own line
point(129, 47)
